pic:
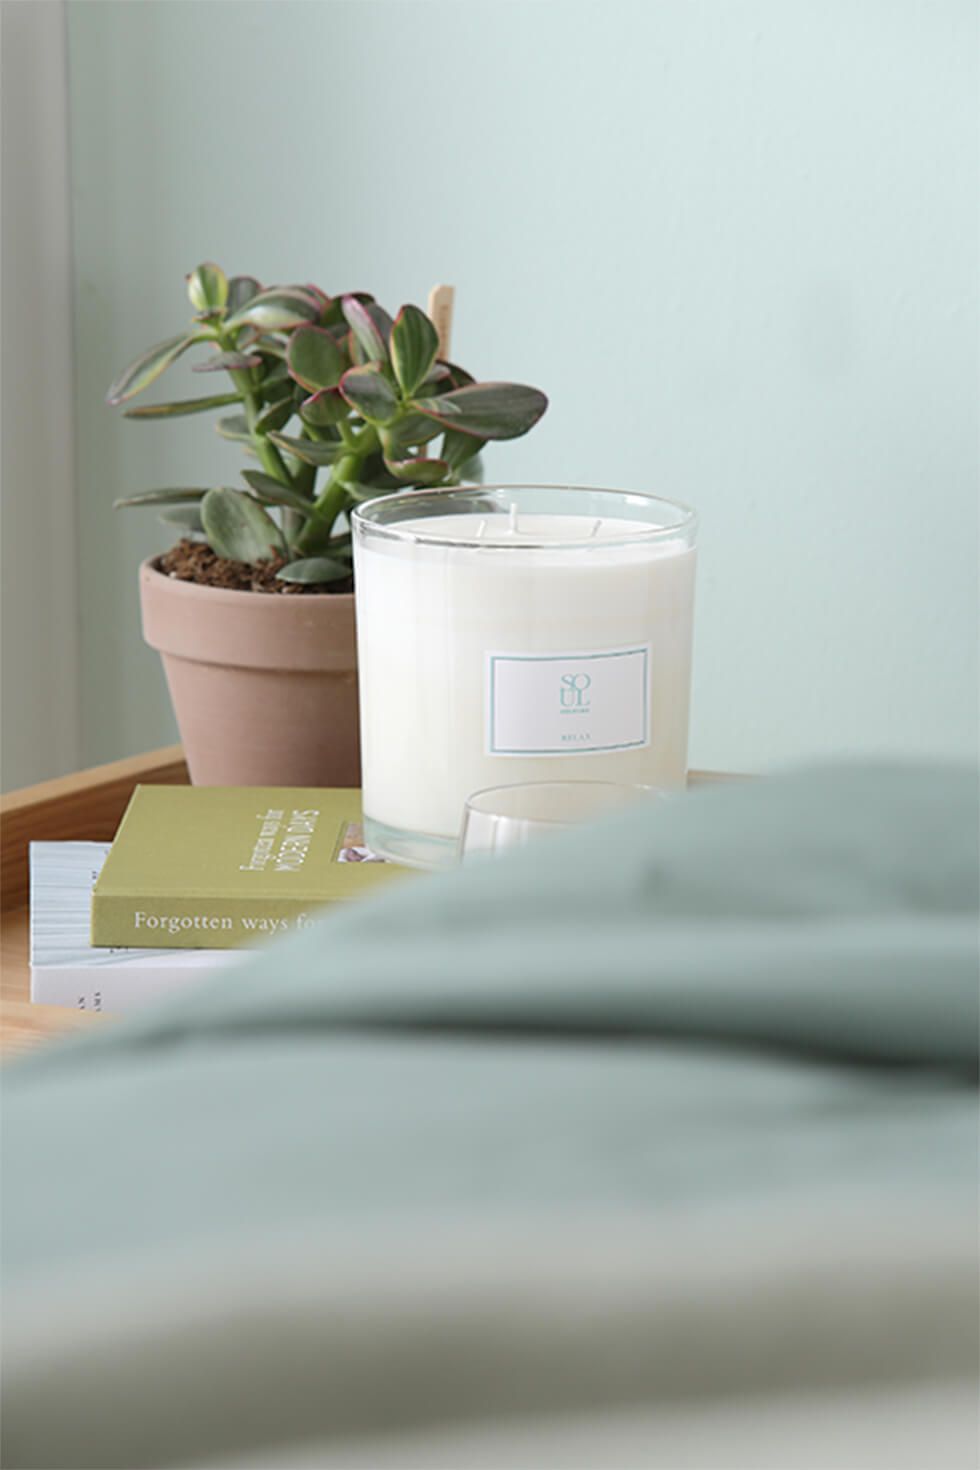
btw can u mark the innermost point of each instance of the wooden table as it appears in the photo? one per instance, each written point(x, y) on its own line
point(85, 807)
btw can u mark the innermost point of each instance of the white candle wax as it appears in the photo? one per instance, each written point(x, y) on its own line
point(492, 651)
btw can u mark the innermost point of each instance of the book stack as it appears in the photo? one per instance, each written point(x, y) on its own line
point(195, 874)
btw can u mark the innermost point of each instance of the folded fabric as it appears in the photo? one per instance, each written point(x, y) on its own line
point(673, 1108)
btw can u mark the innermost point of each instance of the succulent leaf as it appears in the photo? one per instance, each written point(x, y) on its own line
point(207, 288)
point(237, 527)
point(272, 493)
point(313, 569)
point(161, 497)
point(188, 517)
point(240, 290)
point(234, 426)
point(148, 367)
point(370, 325)
point(407, 432)
point(487, 410)
point(458, 449)
point(275, 416)
point(276, 310)
point(438, 373)
point(183, 406)
point(370, 393)
point(318, 294)
point(324, 409)
point(333, 315)
point(230, 362)
point(276, 371)
point(255, 341)
point(458, 376)
point(315, 360)
point(310, 451)
point(275, 390)
point(419, 471)
point(414, 348)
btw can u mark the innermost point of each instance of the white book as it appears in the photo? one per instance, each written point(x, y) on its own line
point(67, 971)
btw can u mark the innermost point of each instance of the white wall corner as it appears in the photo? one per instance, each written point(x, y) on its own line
point(39, 698)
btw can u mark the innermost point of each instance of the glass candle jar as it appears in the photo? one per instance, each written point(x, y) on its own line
point(516, 633)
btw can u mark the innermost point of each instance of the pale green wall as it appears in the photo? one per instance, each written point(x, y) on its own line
point(735, 240)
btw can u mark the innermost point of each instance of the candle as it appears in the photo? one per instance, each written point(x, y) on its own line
point(515, 634)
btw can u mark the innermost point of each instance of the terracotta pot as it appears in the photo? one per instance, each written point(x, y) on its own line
point(264, 686)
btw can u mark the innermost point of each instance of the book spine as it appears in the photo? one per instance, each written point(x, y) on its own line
point(194, 923)
point(87, 988)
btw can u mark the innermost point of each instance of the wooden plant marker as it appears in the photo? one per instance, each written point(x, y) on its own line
point(442, 299)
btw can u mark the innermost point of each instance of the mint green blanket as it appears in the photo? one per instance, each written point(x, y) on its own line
point(668, 1111)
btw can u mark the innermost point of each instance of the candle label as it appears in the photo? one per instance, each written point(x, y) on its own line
point(568, 703)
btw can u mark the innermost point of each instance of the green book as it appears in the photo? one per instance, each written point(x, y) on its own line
point(218, 867)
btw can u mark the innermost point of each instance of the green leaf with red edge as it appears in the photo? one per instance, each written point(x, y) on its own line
point(333, 316)
point(310, 451)
point(228, 362)
point(237, 527)
point(276, 372)
point(380, 317)
point(438, 379)
point(457, 448)
point(315, 360)
point(414, 348)
point(181, 407)
point(370, 394)
point(418, 471)
point(276, 390)
point(273, 316)
point(487, 410)
point(323, 301)
point(276, 310)
point(275, 415)
point(324, 409)
point(207, 288)
point(457, 376)
point(150, 364)
point(267, 346)
point(407, 432)
point(240, 290)
point(370, 325)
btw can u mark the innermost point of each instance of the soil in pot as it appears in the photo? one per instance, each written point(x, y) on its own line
point(194, 561)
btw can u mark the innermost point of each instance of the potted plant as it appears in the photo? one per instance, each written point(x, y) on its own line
point(253, 613)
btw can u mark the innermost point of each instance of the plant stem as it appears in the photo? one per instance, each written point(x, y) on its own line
point(334, 496)
point(269, 457)
point(328, 505)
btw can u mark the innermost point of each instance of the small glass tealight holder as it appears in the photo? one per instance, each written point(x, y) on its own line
point(504, 817)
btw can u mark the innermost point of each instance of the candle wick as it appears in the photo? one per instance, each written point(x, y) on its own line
point(595, 530)
point(513, 520)
point(481, 530)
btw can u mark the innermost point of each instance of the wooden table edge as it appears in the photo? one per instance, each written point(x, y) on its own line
point(85, 807)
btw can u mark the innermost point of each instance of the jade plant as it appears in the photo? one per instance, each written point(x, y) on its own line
point(333, 401)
